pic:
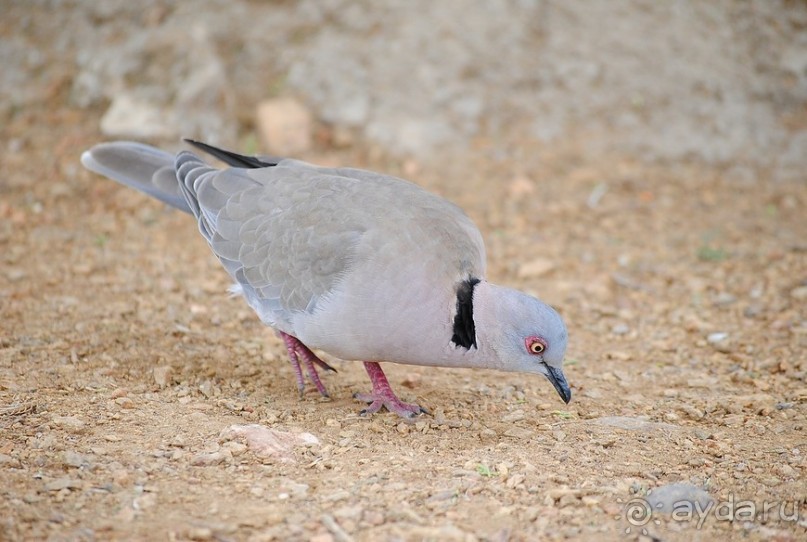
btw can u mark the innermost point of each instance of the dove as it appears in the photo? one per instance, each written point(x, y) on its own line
point(360, 265)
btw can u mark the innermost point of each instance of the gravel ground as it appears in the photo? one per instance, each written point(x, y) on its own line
point(138, 401)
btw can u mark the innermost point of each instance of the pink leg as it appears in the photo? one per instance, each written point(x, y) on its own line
point(382, 395)
point(298, 350)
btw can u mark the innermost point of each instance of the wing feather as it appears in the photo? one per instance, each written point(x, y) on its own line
point(289, 234)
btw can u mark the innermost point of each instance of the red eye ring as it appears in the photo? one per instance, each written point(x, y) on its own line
point(535, 345)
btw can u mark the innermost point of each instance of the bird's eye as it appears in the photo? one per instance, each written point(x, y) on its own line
point(535, 345)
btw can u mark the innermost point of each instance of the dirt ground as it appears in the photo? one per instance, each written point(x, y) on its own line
point(127, 373)
point(123, 363)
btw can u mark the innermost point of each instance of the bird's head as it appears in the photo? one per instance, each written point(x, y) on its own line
point(524, 333)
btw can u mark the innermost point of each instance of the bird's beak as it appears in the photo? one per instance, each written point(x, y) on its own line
point(559, 381)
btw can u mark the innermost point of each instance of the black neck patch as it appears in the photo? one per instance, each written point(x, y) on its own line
point(464, 328)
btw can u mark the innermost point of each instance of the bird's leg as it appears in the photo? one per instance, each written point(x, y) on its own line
point(306, 352)
point(382, 395)
point(309, 359)
point(290, 341)
point(298, 350)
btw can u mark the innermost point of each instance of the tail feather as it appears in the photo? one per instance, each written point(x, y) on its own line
point(142, 167)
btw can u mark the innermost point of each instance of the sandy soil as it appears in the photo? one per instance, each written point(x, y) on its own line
point(139, 402)
point(123, 363)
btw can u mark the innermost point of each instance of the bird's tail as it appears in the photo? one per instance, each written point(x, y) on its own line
point(145, 168)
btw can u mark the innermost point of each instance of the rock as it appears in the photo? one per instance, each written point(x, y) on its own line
point(535, 268)
point(634, 424)
point(131, 117)
point(759, 403)
point(560, 492)
point(521, 186)
point(285, 126)
point(200, 533)
point(267, 442)
point(619, 355)
point(15, 274)
point(211, 458)
point(620, 329)
point(76, 460)
point(63, 483)
point(672, 497)
point(340, 495)
point(125, 402)
point(119, 392)
point(518, 433)
point(349, 512)
point(163, 375)
point(799, 293)
point(120, 476)
point(6, 461)
point(724, 299)
point(714, 338)
point(692, 412)
point(69, 423)
point(235, 448)
point(336, 530)
point(295, 488)
point(720, 342)
point(514, 416)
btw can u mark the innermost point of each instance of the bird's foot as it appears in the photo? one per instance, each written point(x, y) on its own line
point(383, 396)
point(393, 404)
point(302, 356)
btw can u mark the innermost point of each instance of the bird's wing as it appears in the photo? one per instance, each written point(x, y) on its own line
point(278, 231)
point(289, 234)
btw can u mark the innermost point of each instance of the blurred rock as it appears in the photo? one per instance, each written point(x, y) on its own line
point(130, 117)
point(672, 497)
point(163, 375)
point(799, 293)
point(634, 424)
point(535, 268)
point(63, 483)
point(285, 126)
point(69, 423)
point(520, 187)
point(269, 443)
point(620, 329)
point(211, 458)
point(720, 341)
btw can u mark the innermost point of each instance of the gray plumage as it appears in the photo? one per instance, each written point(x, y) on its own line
point(359, 264)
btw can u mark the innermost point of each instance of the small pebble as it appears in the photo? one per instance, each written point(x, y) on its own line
point(620, 329)
point(514, 416)
point(518, 433)
point(162, 375)
point(63, 483)
point(799, 293)
point(212, 458)
point(724, 299)
point(666, 498)
point(69, 423)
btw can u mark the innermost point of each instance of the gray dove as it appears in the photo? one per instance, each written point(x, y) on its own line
point(361, 265)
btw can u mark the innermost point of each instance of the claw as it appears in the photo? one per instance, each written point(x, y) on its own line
point(383, 396)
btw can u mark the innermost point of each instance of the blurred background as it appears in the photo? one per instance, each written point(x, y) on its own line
point(721, 82)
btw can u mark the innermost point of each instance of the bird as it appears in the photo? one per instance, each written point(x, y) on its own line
point(360, 265)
